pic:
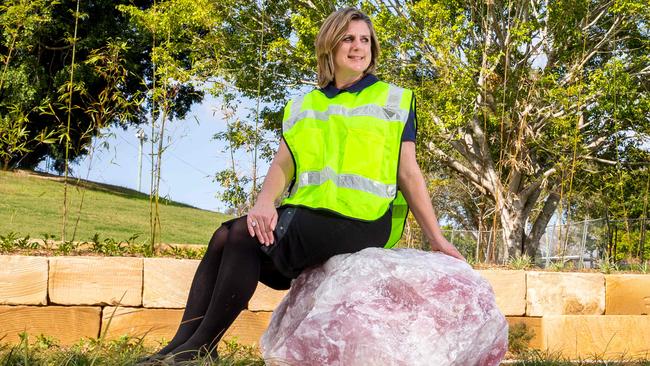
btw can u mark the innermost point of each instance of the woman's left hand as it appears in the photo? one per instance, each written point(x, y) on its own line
point(445, 247)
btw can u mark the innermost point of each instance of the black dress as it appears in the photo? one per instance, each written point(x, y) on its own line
point(306, 237)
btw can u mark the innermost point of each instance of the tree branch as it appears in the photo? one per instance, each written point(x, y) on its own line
point(460, 168)
point(526, 192)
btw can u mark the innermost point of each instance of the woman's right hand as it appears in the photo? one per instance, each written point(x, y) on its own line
point(261, 221)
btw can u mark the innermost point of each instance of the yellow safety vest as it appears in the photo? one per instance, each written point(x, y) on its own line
point(346, 150)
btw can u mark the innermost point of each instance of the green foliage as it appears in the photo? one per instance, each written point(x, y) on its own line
point(519, 336)
point(558, 266)
point(547, 358)
point(7, 241)
point(13, 243)
point(241, 136)
point(67, 247)
point(15, 139)
point(123, 351)
point(109, 77)
point(641, 267)
point(606, 265)
point(520, 262)
point(234, 193)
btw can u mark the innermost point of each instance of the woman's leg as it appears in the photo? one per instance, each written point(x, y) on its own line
point(200, 294)
point(236, 281)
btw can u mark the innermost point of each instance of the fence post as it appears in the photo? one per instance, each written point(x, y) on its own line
point(581, 263)
point(478, 246)
point(642, 240)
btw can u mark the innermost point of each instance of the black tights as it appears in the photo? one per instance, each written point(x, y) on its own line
point(224, 281)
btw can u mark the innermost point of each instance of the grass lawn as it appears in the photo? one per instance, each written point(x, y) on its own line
point(125, 351)
point(32, 204)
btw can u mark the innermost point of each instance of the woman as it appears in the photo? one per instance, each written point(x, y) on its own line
point(346, 148)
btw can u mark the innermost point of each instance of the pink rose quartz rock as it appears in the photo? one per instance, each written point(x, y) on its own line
point(387, 307)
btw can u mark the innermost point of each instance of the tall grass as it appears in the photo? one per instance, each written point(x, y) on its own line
point(124, 351)
point(545, 358)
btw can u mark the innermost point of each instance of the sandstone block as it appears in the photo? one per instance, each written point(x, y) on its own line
point(265, 298)
point(95, 281)
point(557, 293)
point(627, 294)
point(167, 282)
point(249, 327)
point(66, 324)
point(534, 325)
point(605, 337)
point(23, 280)
point(158, 325)
point(509, 288)
point(155, 325)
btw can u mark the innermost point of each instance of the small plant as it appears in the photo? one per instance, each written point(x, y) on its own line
point(48, 241)
point(520, 262)
point(44, 342)
point(66, 247)
point(642, 267)
point(557, 266)
point(606, 265)
point(25, 243)
point(184, 252)
point(519, 337)
point(7, 242)
point(174, 251)
point(109, 247)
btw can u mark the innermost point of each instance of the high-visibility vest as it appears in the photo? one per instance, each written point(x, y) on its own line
point(346, 151)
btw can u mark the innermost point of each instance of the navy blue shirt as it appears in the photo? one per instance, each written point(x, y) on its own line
point(409, 130)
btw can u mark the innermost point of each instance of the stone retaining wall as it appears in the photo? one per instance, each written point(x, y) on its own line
point(577, 314)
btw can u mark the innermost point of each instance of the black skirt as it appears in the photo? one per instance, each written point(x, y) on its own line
point(307, 237)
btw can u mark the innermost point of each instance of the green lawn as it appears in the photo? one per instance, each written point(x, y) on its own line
point(32, 204)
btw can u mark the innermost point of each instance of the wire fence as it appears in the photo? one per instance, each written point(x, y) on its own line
point(584, 243)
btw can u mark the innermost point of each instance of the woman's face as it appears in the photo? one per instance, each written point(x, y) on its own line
point(353, 54)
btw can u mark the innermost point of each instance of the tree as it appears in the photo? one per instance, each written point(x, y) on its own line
point(36, 50)
point(513, 95)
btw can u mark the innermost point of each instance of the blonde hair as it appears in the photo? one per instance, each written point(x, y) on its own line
point(331, 33)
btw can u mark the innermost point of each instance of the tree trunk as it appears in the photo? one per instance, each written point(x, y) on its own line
point(531, 244)
point(513, 222)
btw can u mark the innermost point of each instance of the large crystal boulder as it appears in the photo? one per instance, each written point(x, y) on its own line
point(387, 307)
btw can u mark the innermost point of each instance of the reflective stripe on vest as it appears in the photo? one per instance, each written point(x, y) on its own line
point(345, 180)
point(390, 112)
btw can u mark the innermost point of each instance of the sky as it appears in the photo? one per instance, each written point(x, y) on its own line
point(189, 163)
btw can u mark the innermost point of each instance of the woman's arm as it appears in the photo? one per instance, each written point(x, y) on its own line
point(264, 214)
point(411, 183)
